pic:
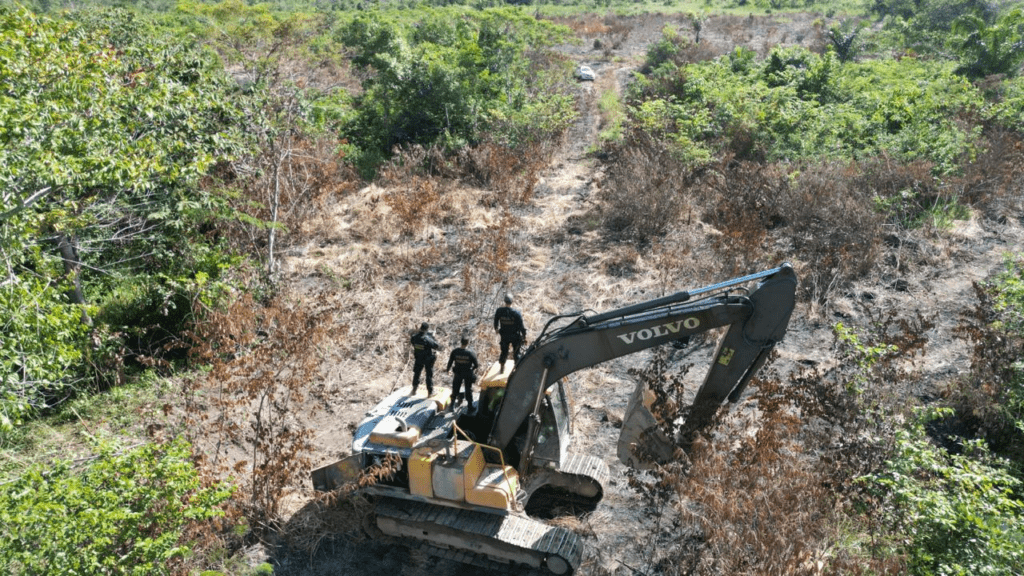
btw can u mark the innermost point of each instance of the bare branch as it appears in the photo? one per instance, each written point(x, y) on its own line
point(25, 203)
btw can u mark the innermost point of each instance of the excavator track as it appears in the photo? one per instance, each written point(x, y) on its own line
point(575, 487)
point(586, 466)
point(480, 561)
point(495, 541)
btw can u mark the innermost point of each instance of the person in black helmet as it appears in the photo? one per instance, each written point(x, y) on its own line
point(465, 363)
point(423, 347)
point(508, 323)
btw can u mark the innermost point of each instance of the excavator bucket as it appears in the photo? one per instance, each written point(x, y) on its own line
point(642, 441)
point(333, 476)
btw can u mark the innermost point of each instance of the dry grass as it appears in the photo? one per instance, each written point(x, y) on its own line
point(751, 215)
point(745, 498)
point(764, 490)
point(833, 225)
point(605, 33)
point(642, 194)
point(993, 183)
point(510, 176)
point(297, 176)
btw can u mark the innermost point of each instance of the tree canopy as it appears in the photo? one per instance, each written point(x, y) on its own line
point(105, 134)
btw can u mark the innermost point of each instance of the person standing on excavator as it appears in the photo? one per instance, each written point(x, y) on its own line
point(465, 363)
point(423, 347)
point(508, 323)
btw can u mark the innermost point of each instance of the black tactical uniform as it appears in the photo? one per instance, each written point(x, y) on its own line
point(465, 363)
point(508, 322)
point(423, 346)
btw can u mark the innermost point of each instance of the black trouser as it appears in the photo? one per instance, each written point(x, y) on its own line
point(420, 365)
point(458, 382)
point(514, 340)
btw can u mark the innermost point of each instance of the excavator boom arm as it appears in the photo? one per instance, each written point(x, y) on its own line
point(757, 321)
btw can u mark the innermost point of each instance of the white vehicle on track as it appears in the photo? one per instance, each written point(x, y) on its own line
point(585, 73)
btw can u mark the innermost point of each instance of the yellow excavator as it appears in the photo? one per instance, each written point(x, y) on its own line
point(475, 485)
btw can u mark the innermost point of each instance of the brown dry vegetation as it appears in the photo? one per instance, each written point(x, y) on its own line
point(766, 491)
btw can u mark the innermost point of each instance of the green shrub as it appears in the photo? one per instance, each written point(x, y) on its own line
point(453, 77)
point(40, 351)
point(612, 116)
point(989, 400)
point(1007, 292)
point(986, 49)
point(126, 513)
point(1008, 289)
point(669, 48)
point(796, 105)
point(950, 514)
point(1008, 108)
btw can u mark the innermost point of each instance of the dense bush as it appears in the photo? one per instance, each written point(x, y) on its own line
point(984, 37)
point(932, 15)
point(125, 513)
point(453, 77)
point(990, 400)
point(796, 105)
point(950, 514)
point(106, 131)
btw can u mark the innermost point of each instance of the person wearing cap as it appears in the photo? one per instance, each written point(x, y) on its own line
point(465, 363)
point(508, 323)
point(423, 347)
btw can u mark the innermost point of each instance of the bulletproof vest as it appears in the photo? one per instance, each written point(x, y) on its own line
point(463, 362)
point(507, 321)
point(421, 345)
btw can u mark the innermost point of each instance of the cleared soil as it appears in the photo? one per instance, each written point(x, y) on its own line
point(380, 284)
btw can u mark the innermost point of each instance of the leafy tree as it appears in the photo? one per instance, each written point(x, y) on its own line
point(451, 77)
point(897, 8)
point(124, 514)
point(105, 135)
point(844, 39)
point(990, 49)
point(950, 514)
